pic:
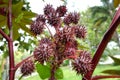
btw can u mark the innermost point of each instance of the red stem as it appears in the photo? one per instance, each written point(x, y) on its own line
point(10, 43)
point(105, 76)
point(104, 42)
point(19, 64)
point(4, 35)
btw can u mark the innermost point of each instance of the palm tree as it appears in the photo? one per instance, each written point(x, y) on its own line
point(102, 15)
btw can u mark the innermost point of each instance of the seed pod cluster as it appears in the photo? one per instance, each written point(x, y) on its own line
point(63, 44)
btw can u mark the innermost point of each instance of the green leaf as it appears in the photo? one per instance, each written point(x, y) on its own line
point(114, 72)
point(43, 71)
point(59, 73)
point(26, 29)
point(17, 8)
point(26, 21)
point(18, 19)
point(16, 35)
point(2, 21)
point(116, 3)
point(29, 14)
point(3, 5)
point(15, 28)
point(116, 60)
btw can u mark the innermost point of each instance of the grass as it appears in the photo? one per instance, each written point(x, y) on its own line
point(69, 74)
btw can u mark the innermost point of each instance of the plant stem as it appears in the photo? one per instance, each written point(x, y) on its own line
point(10, 43)
point(4, 35)
point(49, 31)
point(114, 24)
point(106, 76)
point(19, 64)
point(52, 77)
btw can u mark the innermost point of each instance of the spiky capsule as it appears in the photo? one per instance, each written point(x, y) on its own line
point(54, 20)
point(27, 67)
point(82, 64)
point(49, 10)
point(72, 18)
point(80, 31)
point(37, 27)
point(44, 50)
point(61, 10)
point(41, 18)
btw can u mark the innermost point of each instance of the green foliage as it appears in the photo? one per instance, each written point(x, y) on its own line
point(116, 60)
point(114, 72)
point(20, 18)
point(44, 71)
point(59, 73)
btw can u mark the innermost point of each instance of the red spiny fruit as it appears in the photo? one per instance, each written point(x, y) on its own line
point(54, 20)
point(44, 50)
point(72, 18)
point(68, 19)
point(80, 31)
point(70, 53)
point(65, 35)
point(49, 10)
point(75, 17)
point(41, 18)
point(82, 64)
point(68, 33)
point(37, 27)
point(27, 67)
point(61, 11)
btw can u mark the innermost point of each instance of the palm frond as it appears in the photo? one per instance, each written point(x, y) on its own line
point(100, 20)
point(99, 9)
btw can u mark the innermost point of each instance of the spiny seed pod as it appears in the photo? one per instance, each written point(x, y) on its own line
point(49, 10)
point(68, 33)
point(68, 19)
point(69, 53)
point(41, 18)
point(82, 64)
point(37, 27)
point(75, 17)
point(65, 35)
point(80, 31)
point(27, 67)
point(61, 11)
point(72, 18)
point(44, 51)
point(54, 21)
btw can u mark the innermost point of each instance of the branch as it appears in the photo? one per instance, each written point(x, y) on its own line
point(4, 35)
point(10, 43)
point(49, 31)
point(105, 76)
point(114, 24)
point(20, 63)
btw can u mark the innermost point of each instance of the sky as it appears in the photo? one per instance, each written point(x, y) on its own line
point(72, 5)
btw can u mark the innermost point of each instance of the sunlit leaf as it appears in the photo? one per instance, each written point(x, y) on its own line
point(2, 21)
point(116, 60)
point(26, 29)
point(43, 71)
point(17, 8)
point(26, 21)
point(29, 14)
point(18, 19)
point(16, 35)
point(59, 73)
point(114, 72)
point(116, 3)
